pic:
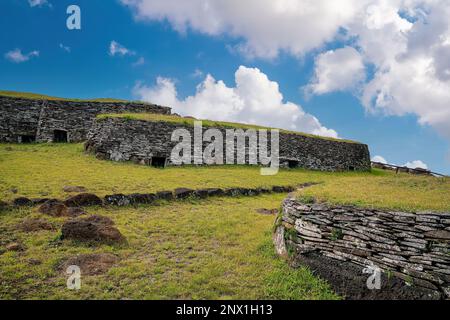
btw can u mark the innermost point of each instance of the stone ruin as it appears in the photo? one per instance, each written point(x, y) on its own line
point(29, 120)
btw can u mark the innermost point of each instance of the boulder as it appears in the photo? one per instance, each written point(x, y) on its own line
point(214, 192)
point(53, 208)
point(94, 228)
point(83, 199)
point(39, 201)
point(32, 225)
point(74, 189)
point(165, 195)
point(201, 193)
point(117, 200)
point(22, 202)
point(90, 264)
point(142, 198)
point(183, 193)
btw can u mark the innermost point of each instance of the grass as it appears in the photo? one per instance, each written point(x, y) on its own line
point(37, 96)
point(206, 123)
point(212, 249)
point(42, 170)
point(219, 248)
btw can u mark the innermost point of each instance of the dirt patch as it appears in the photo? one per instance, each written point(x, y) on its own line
point(32, 225)
point(93, 228)
point(348, 280)
point(15, 246)
point(74, 189)
point(90, 264)
point(269, 212)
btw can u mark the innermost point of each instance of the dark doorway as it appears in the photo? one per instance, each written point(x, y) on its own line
point(27, 139)
point(158, 162)
point(59, 136)
point(292, 164)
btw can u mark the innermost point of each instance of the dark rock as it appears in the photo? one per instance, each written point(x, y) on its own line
point(201, 193)
point(233, 192)
point(83, 199)
point(117, 200)
point(214, 192)
point(22, 202)
point(90, 264)
point(74, 189)
point(142, 198)
point(165, 195)
point(31, 225)
point(183, 193)
point(94, 228)
point(53, 208)
point(39, 201)
point(281, 189)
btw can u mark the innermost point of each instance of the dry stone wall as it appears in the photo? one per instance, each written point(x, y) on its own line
point(140, 141)
point(414, 247)
point(22, 120)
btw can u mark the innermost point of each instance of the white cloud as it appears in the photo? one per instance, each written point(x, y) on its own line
point(338, 70)
point(139, 62)
point(197, 73)
point(405, 42)
point(416, 164)
point(65, 48)
point(116, 48)
point(38, 3)
point(254, 100)
point(17, 56)
point(379, 159)
point(265, 26)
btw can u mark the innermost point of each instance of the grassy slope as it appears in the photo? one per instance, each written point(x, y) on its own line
point(215, 249)
point(206, 123)
point(28, 95)
point(43, 170)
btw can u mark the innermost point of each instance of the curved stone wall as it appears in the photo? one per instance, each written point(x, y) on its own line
point(38, 119)
point(140, 141)
point(413, 247)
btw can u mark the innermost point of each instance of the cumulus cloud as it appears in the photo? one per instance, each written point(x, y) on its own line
point(116, 48)
point(254, 99)
point(405, 42)
point(379, 159)
point(139, 62)
point(416, 164)
point(337, 70)
point(17, 56)
point(266, 26)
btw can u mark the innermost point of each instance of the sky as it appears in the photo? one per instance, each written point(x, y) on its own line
point(374, 71)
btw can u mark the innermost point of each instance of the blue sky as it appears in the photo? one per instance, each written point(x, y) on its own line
point(185, 57)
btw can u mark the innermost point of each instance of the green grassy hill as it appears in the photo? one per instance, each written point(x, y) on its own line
point(217, 248)
point(37, 96)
